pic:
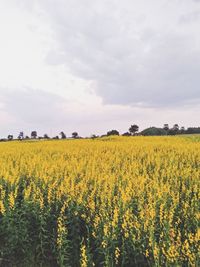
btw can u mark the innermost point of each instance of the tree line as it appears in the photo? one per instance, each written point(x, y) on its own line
point(34, 135)
point(132, 131)
point(153, 131)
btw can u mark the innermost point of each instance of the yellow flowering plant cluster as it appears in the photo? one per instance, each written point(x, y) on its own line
point(113, 201)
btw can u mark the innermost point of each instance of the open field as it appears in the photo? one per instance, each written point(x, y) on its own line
point(118, 201)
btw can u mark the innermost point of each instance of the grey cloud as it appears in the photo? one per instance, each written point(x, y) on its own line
point(137, 53)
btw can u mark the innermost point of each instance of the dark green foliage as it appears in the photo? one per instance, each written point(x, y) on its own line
point(153, 131)
point(133, 129)
point(112, 132)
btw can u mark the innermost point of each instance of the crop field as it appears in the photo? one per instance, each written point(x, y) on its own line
point(118, 201)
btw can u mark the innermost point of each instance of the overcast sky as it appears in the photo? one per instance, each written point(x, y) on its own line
point(95, 65)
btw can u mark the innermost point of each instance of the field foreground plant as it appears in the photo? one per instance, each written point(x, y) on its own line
point(130, 201)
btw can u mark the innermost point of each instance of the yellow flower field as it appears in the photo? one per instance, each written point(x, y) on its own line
point(118, 201)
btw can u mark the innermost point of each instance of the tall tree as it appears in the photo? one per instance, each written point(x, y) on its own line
point(21, 136)
point(176, 128)
point(10, 137)
point(182, 130)
point(133, 129)
point(166, 127)
point(74, 135)
point(63, 135)
point(33, 134)
point(46, 136)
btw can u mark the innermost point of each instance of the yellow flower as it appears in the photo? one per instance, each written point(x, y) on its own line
point(84, 260)
point(2, 208)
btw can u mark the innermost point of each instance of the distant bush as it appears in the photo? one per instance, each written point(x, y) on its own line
point(153, 131)
point(193, 130)
point(112, 132)
point(126, 134)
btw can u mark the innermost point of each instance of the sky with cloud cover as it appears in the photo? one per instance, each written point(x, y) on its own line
point(90, 65)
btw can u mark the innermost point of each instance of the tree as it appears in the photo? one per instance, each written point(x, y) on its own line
point(182, 130)
point(63, 135)
point(33, 134)
point(174, 130)
point(46, 136)
point(112, 132)
point(166, 127)
point(133, 129)
point(175, 127)
point(10, 137)
point(21, 136)
point(74, 135)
